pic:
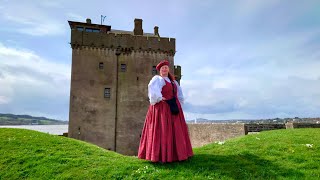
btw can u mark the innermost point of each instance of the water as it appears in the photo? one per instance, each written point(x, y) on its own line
point(50, 129)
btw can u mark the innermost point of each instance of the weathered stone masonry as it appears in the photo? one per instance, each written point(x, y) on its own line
point(110, 73)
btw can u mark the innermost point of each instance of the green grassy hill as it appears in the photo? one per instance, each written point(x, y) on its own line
point(278, 154)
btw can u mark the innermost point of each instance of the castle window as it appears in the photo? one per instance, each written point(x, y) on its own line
point(92, 30)
point(154, 70)
point(101, 65)
point(80, 28)
point(123, 67)
point(107, 93)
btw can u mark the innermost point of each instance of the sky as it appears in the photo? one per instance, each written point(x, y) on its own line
point(241, 59)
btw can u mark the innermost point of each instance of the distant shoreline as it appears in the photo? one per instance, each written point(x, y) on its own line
point(50, 129)
point(12, 120)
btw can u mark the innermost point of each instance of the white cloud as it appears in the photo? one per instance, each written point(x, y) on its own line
point(31, 19)
point(43, 29)
point(249, 8)
point(4, 100)
point(276, 77)
point(208, 71)
point(243, 59)
point(253, 97)
point(50, 3)
point(33, 85)
point(27, 61)
point(75, 17)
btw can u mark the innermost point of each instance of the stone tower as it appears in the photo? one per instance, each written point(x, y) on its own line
point(110, 73)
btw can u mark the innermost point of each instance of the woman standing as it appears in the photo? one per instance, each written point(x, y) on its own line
point(165, 135)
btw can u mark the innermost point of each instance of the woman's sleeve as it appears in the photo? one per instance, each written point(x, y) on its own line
point(154, 89)
point(180, 94)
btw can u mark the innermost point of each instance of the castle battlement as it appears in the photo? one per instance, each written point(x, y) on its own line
point(177, 72)
point(100, 36)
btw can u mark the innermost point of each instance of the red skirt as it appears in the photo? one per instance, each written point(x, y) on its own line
point(164, 136)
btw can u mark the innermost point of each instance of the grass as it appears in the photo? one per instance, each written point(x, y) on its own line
point(278, 154)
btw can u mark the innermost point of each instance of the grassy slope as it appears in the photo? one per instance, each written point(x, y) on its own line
point(273, 154)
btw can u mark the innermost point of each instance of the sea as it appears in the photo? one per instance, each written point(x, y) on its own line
point(50, 129)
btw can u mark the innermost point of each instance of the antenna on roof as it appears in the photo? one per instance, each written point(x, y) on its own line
point(102, 18)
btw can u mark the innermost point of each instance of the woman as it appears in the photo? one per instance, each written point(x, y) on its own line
point(165, 135)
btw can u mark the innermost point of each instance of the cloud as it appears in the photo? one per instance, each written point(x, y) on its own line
point(277, 76)
point(4, 100)
point(253, 76)
point(252, 97)
point(208, 71)
point(33, 85)
point(51, 4)
point(239, 59)
point(30, 19)
point(75, 17)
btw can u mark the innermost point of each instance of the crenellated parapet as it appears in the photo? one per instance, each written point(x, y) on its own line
point(112, 39)
point(177, 73)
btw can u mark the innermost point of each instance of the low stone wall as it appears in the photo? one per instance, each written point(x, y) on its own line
point(263, 127)
point(289, 125)
point(302, 125)
point(202, 134)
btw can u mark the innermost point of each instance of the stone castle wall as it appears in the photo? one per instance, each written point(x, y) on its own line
point(91, 115)
point(113, 123)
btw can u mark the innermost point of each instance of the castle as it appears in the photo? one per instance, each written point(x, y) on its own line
point(110, 73)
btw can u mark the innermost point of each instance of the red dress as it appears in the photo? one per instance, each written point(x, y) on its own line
point(165, 136)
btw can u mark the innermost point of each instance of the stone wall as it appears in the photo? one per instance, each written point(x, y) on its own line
point(288, 125)
point(202, 134)
point(263, 127)
point(113, 123)
point(302, 125)
point(91, 117)
point(133, 101)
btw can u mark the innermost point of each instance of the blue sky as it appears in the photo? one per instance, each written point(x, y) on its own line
point(243, 59)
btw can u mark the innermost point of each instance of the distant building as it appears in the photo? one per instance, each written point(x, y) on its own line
point(34, 122)
point(110, 73)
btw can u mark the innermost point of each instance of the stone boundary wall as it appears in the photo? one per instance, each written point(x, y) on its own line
point(202, 134)
point(263, 127)
point(302, 125)
point(289, 125)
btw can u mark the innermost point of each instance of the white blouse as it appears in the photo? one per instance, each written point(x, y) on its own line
point(155, 86)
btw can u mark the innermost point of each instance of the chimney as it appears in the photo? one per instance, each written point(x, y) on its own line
point(138, 27)
point(88, 21)
point(156, 30)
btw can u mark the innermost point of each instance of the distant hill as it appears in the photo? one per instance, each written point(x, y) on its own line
point(12, 119)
